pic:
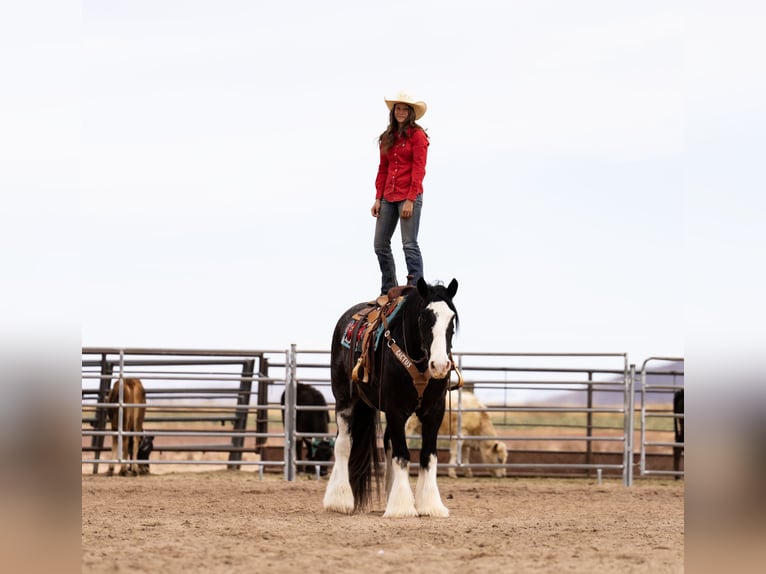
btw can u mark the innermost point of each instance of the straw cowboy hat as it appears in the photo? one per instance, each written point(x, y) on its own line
point(405, 98)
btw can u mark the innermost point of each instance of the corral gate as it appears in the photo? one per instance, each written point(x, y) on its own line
point(201, 388)
point(667, 383)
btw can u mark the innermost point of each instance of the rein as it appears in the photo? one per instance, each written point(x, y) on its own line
point(419, 380)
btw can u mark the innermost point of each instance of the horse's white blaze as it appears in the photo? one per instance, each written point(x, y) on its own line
point(338, 495)
point(428, 501)
point(439, 361)
point(401, 502)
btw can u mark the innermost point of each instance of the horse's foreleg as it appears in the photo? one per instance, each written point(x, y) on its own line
point(399, 501)
point(338, 496)
point(428, 501)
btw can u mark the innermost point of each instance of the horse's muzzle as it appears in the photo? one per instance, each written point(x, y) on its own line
point(440, 369)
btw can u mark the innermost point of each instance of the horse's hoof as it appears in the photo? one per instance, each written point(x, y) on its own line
point(346, 511)
point(110, 472)
point(436, 512)
point(338, 499)
point(401, 513)
point(339, 509)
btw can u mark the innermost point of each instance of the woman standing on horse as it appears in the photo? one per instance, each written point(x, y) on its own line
point(399, 188)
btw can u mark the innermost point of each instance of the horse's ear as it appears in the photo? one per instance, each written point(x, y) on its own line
point(452, 288)
point(423, 288)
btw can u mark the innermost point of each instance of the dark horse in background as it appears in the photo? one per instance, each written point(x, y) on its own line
point(317, 448)
point(678, 427)
point(417, 346)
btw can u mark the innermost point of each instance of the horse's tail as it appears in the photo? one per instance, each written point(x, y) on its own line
point(363, 460)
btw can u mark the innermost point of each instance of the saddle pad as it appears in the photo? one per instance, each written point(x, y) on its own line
point(349, 330)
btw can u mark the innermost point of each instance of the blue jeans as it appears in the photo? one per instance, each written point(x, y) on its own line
point(384, 230)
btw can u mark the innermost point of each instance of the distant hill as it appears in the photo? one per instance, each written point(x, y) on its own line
point(668, 377)
point(671, 374)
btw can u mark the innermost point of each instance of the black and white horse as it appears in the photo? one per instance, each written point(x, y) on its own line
point(408, 372)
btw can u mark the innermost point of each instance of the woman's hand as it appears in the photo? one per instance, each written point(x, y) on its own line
point(375, 208)
point(407, 208)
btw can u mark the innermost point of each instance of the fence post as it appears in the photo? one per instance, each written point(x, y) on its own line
point(630, 425)
point(289, 413)
point(121, 411)
point(642, 450)
point(102, 414)
point(240, 421)
point(589, 424)
point(262, 414)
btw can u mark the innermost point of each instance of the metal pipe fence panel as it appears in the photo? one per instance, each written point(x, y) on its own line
point(203, 406)
point(659, 386)
point(559, 414)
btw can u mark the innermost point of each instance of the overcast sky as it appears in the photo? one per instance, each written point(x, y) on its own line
point(229, 155)
point(200, 173)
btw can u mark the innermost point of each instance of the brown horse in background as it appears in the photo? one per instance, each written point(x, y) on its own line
point(132, 421)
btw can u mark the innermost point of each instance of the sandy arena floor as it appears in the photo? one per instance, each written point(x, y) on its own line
point(229, 521)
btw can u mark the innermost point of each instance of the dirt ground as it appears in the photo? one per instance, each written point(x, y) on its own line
point(230, 521)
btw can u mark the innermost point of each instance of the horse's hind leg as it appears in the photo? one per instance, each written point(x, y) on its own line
point(134, 441)
point(467, 459)
point(126, 448)
point(452, 470)
point(338, 496)
point(677, 460)
point(388, 469)
point(110, 470)
point(125, 455)
point(129, 443)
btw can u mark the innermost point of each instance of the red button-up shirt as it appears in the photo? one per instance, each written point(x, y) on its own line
point(402, 169)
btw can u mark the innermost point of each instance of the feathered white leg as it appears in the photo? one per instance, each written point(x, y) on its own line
point(338, 496)
point(400, 500)
point(428, 501)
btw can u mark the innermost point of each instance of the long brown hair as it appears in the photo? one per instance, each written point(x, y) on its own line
point(387, 138)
